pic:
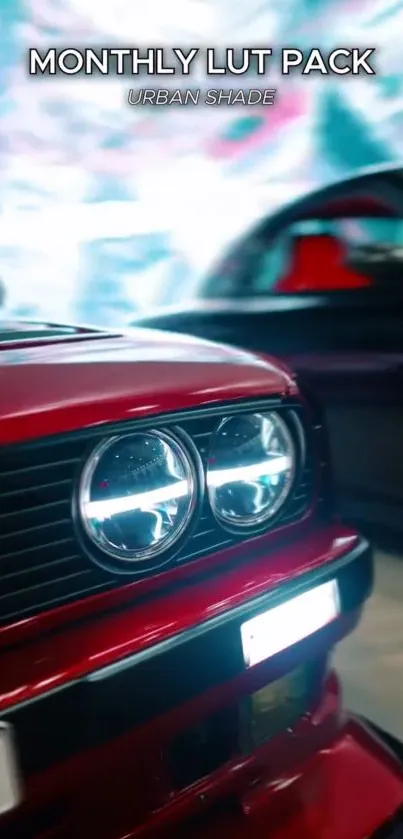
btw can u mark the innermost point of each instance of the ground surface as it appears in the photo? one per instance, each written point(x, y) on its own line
point(371, 660)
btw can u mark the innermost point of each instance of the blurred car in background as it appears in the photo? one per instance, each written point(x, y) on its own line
point(320, 284)
point(173, 580)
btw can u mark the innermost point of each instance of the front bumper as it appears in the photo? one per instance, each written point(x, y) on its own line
point(86, 743)
point(353, 789)
point(350, 787)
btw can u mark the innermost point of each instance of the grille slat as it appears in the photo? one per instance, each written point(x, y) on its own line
point(218, 546)
point(38, 537)
point(38, 568)
point(34, 496)
point(35, 511)
point(35, 528)
point(42, 564)
point(57, 464)
point(40, 549)
point(17, 607)
point(203, 533)
point(44, 585)
point(44, 476)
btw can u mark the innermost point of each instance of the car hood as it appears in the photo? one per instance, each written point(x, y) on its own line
point(53, 386)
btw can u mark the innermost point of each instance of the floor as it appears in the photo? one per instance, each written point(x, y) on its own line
point(371, 660)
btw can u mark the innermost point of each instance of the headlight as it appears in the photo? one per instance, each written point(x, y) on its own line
point(136, 496)
point(251, 469)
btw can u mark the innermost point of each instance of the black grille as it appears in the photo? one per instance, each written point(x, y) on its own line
point(42, 564)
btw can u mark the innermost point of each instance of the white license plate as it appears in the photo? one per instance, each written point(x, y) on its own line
point(284, 625)
point(9, 780)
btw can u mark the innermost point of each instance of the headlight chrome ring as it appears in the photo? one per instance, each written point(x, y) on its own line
point(251, 470)
point(136, 498)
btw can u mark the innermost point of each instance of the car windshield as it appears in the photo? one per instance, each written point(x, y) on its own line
point(372, 247)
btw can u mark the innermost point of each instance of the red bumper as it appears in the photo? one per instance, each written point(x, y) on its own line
point(347, 784)
point(350, 790)
point(96, 752)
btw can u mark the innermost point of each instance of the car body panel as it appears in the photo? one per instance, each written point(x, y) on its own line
point(83, 688)
point(63, 657)
point(94, 790)
point(318, 798)
point(58, 387)
point(106, 789)
point(328, 777)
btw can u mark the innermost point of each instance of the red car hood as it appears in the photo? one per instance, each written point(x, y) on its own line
point(51, 386)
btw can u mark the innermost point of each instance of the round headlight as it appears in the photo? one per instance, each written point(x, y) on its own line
point(251, 469)
point(136, 496)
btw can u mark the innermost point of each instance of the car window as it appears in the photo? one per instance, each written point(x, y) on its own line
point(372, 248)
point(273, 265)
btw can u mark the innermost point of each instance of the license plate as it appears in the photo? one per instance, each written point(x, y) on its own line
point(9, 782)
point(282, 626)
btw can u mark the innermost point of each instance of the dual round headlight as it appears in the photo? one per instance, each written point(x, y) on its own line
point(250, 469)
point(138, 493)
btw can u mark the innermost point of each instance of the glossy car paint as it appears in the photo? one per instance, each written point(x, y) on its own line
point(50, 662)
point(346, 790)
point(327, 778)
point(123, 785)
point(50, 388)
point(117, 598)
point(120, 789)
point(88, 797)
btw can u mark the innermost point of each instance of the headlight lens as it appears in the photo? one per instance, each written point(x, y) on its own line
point(137, 494)
point(251, 469)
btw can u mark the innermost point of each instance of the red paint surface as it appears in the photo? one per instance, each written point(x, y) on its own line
point(344, 792)
point(323, 780)
point(29, 671)
point(53, 388)
point(327, 779)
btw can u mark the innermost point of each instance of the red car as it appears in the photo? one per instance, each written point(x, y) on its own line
point(172, 582)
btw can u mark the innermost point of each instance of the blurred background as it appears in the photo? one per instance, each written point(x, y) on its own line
point(108, 210)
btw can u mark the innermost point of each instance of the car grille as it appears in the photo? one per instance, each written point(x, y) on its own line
point(42, 565)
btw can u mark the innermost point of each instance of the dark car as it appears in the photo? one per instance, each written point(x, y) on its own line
point(319, 283)
point(173, 580)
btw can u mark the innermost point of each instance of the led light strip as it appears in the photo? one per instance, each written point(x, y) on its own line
point(275, 466)
point(102, 510)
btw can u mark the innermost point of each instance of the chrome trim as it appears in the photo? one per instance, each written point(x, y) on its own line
point(264, 601)
point(251, 523)
point(87, 474)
